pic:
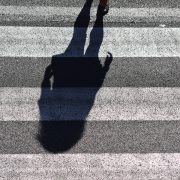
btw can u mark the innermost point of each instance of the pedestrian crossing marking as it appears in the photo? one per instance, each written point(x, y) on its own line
point(144, 120)
point(121, 42)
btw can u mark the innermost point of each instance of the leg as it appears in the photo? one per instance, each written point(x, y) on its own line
point(104, 2)
point(103, 7)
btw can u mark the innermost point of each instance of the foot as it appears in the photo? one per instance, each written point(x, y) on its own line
point(103, 10)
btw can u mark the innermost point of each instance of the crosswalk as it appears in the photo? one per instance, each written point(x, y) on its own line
point(64, 115)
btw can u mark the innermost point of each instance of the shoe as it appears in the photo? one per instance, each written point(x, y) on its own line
point(102, 10)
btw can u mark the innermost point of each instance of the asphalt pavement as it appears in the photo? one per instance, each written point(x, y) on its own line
point(112, 115)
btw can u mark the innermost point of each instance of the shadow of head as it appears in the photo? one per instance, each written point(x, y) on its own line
point(60, 136)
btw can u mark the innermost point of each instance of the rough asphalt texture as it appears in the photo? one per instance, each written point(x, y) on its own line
point(132, 127)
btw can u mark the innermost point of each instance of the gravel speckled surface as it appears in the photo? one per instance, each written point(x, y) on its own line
point(126, 127)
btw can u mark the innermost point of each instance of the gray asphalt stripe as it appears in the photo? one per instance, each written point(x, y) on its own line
point(61, 3)
point(47, 11)
point(86, 166)
point(123, 72)
point(130, 23)
point(90, 137)
point(73, 3)
point(66, 16)
point(91, 104)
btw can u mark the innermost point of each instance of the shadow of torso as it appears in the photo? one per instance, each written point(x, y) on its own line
point(68, 100)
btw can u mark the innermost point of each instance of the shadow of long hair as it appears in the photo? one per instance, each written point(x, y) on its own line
point(70, 85)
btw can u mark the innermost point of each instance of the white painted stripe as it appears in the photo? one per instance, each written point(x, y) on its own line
point(90, 166)
point(109, 104)
point(121, 42)
point(74, 11)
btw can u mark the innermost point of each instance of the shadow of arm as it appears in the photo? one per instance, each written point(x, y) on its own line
point(47, 76)
point(107, 63)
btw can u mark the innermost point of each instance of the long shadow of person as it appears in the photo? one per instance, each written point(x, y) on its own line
point(70, 85)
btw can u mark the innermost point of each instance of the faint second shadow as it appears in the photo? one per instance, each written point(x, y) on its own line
point(70, 85)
